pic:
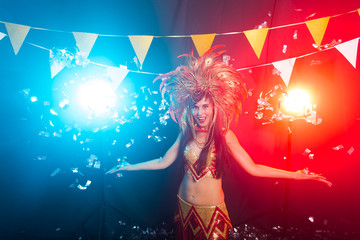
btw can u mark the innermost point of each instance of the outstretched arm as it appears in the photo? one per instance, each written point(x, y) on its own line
point(155, 164)
point(245, 161)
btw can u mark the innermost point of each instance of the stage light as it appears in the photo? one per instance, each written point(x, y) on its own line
point(296, 102)
point(97, 97)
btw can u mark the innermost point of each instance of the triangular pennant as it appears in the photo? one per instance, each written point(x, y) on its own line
point(2, 35)
point(55, 67)
point(17, 34)
point(117, 75)
point(349, 50)
point(203, 42)
point(317, 28)
point(285, 67)
point(141, 45)
point(257, 37)
point(85, 42)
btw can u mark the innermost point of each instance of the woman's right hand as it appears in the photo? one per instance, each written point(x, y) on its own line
point(120, 167)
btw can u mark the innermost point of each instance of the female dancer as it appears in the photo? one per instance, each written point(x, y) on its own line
point(204, 96)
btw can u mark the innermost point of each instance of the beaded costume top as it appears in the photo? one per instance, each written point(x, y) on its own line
point(192, 161)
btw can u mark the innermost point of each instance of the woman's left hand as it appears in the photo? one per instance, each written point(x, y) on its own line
point(307, 175)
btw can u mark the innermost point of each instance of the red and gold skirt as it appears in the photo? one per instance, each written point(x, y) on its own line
point(201, 222)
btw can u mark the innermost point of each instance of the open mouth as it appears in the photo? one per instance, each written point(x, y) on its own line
point(201, 119)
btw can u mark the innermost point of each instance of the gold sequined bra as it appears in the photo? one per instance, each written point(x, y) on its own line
point(192, 161)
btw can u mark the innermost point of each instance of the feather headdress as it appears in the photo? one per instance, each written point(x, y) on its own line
point(209, 75)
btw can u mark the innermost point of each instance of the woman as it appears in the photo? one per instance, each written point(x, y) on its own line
point(204, 97)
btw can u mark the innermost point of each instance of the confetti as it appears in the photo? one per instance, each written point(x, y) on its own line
point(64, 103)
point(91, 160)
point(41, 158)
point(262, 25)
point(130, 143)
point(306, 152)
point(284, 50)
point(338, 147)
point(55, 172)
point(88, 182)
point(351, 150)
point(295, 35)
point(56, 134)
point(33, 99)
point(226, 59)
point(311, 15)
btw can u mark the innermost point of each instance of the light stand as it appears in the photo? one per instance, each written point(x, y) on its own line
point(297, 105)
point(101, 208)
point(286, 210)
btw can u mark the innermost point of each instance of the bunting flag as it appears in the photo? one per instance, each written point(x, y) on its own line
point(317, 28)
point(85, 42)
point(349, 50)
point(17, 34)
point(141, 45)
point(203, 42)
point(285, 67)
point(256, 38)
point(2, 35)
point(117, 75)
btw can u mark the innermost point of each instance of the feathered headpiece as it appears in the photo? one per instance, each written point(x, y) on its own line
point(209, 75)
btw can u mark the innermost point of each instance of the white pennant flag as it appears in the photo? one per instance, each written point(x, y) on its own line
point(349, 50)
point(17, 34)
point(85, 41)
point(2, 35)
point(117, 75)
point(285, 67)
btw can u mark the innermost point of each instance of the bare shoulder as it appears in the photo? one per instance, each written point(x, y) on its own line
point(230, 136)
point(232, 140)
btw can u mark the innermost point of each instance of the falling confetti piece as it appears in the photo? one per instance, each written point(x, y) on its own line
point(130, 143)
point(311, 219)
point(306, 152)
point(338, 147)
point(295, 35)
point(91, 160)
point(41, 158)
point(64, 103)
point(351, 150)
point(55, 172)
point(88, 182)
point(311, 15)
point(34, 99)
point(97, 164)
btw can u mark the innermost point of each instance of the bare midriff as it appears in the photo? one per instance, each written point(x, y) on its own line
point(206, 192)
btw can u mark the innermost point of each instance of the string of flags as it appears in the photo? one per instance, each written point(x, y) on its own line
point(141, 43)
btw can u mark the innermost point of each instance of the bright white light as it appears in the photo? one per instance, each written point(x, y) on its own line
point(296, 101)
point(97, 96)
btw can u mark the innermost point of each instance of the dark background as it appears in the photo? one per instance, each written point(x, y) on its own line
point(34, 204)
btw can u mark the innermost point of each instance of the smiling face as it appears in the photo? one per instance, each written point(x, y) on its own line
point(203, 112)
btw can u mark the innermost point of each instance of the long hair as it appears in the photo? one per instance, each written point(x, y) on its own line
point(216, 136)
